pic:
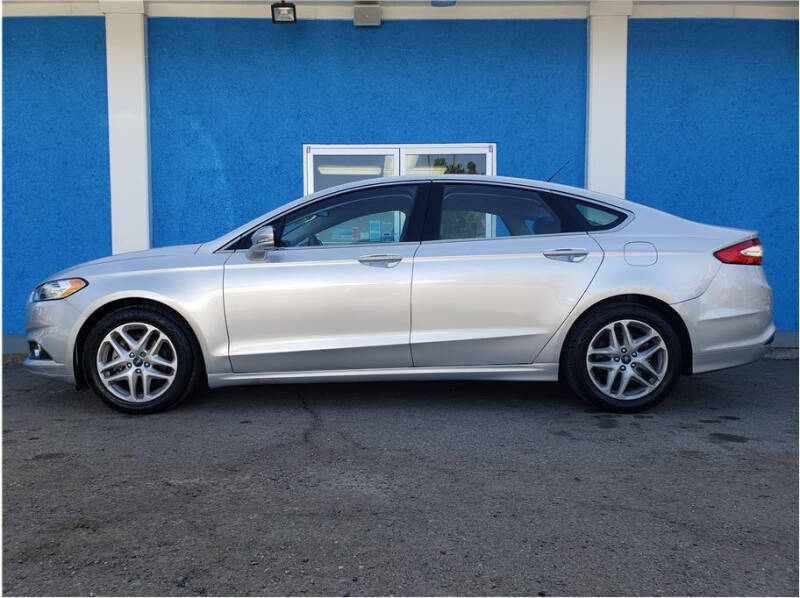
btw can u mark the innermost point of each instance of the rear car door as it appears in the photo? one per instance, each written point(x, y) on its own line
point(499, 269)
point(336, 292)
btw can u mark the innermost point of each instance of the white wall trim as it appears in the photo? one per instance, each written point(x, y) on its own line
point(715, 10)
point(51, 9)
point(128, 131)
point(421, 9)
point(389, 11)
point(606, 103)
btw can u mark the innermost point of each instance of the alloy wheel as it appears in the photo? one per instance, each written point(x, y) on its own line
point(627, 359)
point(137, 362)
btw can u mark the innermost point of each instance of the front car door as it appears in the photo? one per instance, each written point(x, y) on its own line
point(499, 270)
point(335, 293)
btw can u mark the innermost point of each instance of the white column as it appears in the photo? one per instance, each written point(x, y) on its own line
point(606, 101)
point(128, 124)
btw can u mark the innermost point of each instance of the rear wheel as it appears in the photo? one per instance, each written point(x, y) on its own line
point(139, 360)
point(623, 358)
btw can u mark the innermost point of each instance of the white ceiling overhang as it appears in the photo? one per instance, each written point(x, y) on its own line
point(415, 9)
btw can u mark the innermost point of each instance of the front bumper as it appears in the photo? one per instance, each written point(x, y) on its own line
point(731, 323)
point(53, 325)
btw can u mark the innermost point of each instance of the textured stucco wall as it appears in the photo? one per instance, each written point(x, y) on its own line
point(232, 101)
point(712, 132)
point(56, 208)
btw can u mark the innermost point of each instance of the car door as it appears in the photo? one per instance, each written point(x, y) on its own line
point(335, 293)
point(499, 269)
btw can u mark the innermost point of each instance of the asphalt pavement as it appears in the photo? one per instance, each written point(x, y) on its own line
point(445, 488)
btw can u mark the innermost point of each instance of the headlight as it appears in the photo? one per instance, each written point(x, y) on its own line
point(58, 289)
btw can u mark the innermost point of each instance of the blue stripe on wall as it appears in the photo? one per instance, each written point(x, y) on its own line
point(712, 132)
point(55, 152)
point(232, 101)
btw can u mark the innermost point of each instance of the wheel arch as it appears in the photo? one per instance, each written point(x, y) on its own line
point(660, 307)
point(112, 306)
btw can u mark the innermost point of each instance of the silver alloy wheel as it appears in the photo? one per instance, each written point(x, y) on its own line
point(627, 359)
point(137, 362)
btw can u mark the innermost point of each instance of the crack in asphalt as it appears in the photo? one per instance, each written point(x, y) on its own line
point(316, 419)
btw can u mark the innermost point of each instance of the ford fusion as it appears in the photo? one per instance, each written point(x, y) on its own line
point(449, 277)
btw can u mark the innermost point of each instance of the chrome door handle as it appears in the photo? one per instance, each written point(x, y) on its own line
point(566, 255)
point(381, 260)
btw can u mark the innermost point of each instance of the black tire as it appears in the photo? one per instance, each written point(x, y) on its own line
point(576, 371)
point(189, 370)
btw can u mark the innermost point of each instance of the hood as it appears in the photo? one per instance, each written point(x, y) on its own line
point(131, 260)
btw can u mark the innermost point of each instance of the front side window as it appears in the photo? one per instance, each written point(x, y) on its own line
point(489, 212)
point(376, 215)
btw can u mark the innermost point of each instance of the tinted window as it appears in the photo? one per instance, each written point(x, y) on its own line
point(587, 216)
point(377, 215)
point(489, 212)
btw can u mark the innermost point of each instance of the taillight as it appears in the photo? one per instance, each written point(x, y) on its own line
point(749, 252)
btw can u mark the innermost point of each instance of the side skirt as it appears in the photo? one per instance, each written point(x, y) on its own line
point(537, 372)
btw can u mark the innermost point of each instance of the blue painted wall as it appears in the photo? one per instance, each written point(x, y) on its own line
point(55, 152)
point(232, 101)
point(712, 132)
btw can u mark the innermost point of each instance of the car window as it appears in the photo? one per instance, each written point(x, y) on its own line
point(490, 212)
point(377, 215)
point(588, 216)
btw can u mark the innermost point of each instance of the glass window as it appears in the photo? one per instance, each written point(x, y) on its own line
point(587, 216)
point(335, 169)
point(329, 165)
point(455, 163)
point(490, 212)
point(598, 217)
point(378, 215)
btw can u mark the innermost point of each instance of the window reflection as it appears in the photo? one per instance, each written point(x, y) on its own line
point(445, 164)
point(332, 170)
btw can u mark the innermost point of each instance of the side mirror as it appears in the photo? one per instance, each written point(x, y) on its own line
point(263, 241)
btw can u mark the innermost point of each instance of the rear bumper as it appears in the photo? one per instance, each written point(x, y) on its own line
point(731, 323)
point(719, 359)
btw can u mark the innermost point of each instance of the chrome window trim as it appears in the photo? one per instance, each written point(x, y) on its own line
point(508, 238)
point(393, 244)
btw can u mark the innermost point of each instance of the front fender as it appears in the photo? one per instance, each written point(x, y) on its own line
point(194, 291)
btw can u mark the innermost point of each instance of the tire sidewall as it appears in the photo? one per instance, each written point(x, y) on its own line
point(182, 383)
point(578, 373)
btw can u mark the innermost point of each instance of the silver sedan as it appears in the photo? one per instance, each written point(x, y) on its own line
point(415, 278)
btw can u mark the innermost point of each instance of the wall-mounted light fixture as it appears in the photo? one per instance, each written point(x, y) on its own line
point(283, 13)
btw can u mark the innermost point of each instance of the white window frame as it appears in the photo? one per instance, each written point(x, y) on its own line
point(398, 150)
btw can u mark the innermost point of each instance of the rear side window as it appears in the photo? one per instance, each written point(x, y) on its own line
point(492, 212)
point(585, 215)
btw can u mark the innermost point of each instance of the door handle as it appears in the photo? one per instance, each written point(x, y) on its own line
point(381, 260)
point(566, 255)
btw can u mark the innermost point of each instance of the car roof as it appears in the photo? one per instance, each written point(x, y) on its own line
point(215, 244)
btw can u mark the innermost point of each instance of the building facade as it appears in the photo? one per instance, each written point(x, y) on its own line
point(130, 124)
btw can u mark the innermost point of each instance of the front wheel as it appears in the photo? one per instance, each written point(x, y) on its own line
point(139, 360)
point(623, 358)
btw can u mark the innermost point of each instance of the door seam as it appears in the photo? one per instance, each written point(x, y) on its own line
point(411, 304)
